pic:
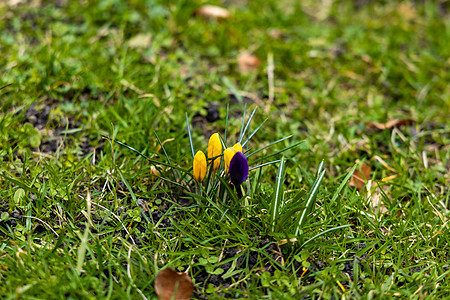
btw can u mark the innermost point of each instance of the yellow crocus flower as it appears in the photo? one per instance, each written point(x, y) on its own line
point(215, 149)
point(237, 147)
point(227, 156)
point(199, 166)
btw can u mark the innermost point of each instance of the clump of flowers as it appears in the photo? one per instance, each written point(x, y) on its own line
point(235, 162)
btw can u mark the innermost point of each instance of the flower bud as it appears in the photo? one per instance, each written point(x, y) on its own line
point(199, 166)
point(238, 169)
point(214, 150)
point(227, 156)
point(238, 147)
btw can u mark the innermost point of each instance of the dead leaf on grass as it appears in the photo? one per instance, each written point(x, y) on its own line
point(213, 12)
point(248, 62)
point(154, 171)
point(359, 179)
point(140, 41)
point(285, 241)
point(162, 144)
point(170, 284)
point(11, 3)
point(376, 201)
point(390, 124)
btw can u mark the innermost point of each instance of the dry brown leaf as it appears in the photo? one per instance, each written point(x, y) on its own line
point(359, 179)
point(376, 200)
point(165, 141)
point(140, 41)
point(390, 124)
point(11, 3)
point(248, 62)
point(285, 241)
point(407, 11)
point(276, 33)
point(154, 170)
point(213, 12)
point(170, 284)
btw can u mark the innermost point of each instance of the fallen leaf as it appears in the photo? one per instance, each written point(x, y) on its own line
point(248, 62)
point(162, 144)
point(154, 171)
point(359, 179)
point(285, 241)
point(140, 41)
point(390, 124)
point(276, 33)
point(213, 12)
point(155, 99)
point(376, 202)
point(11, 3)
point(389, 178)
point(407, 11)
point(170, 284)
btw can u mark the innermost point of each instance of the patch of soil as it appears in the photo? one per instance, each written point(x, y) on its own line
point(13, 216)
point(39, 118)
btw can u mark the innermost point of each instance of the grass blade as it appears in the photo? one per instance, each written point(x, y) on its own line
point(167, 156)
point(324, 232)
point(267, 146)
point(226, 125)
point(247, 125)
point(278, 152)
point(343, 184)
point(265, 164)
point(190, 136)
point(241, 134)
point(253, 133)
point(311, 199)
point(277, 200)
point(233, 89)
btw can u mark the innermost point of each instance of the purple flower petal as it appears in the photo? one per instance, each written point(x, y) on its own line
point(238, 168)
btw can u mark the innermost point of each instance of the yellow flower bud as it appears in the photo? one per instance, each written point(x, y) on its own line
point(215, 149)
point(238, 147)
point(199, 166)
point(227, 156)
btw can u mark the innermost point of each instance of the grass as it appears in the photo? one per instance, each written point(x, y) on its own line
point(94, 97)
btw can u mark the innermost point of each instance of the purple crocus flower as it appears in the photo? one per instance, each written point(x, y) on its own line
point(238, 171)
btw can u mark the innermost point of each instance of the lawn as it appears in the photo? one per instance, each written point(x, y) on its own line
point(342, 109)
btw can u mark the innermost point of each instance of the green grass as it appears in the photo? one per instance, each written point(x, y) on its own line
point(77, 77)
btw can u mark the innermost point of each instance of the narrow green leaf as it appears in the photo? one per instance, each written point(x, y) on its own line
point(343, 184)
point(190, 135)
point(81, 252)
point(253, 133)
point(277, 200)
point(322, 233)
point(247, 125)
point(233, 89)
point(226, 125)
point(267, 146)
point(311, 199)
point(241, 134)
point(133, 196)
point(265, 164)
point(1, 88)
point(278, 152)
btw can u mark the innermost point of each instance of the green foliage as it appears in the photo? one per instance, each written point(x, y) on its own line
point(96, 189)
